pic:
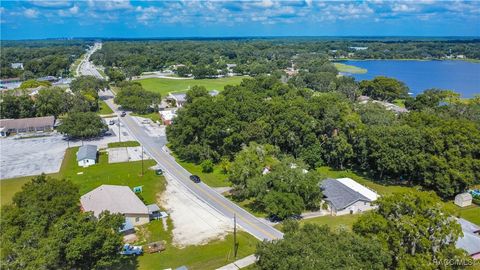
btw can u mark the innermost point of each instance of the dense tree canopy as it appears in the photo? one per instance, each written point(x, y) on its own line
point(44, 229)
point(132, 96)
point(415, 229)
point(82, 125)
point(40, 58)
point(314, 247)
point(383, 88)
point(419, 148)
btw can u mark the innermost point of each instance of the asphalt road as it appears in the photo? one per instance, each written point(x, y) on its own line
point(154, 147)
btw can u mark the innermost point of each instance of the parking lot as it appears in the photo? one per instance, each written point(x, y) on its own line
point(126, 154)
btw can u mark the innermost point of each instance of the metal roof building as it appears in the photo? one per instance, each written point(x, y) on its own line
point(87, 152)
point(470, 241)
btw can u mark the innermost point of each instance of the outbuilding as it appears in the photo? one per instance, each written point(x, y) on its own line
point(178, 98)
point(116, 199)
point(346, 196)
point(463, 199)
point(87, 155)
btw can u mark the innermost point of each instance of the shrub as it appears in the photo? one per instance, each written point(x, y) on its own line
point(207, 166)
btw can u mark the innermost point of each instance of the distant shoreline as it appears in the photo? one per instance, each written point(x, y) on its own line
point(406, 59)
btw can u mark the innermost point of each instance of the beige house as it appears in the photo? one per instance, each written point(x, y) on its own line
point(463, 199)
point(116, 199)
point(346, 196)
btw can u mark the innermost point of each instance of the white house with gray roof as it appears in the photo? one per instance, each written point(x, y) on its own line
point(345, 196)
point(87, 155)
point(116, 199)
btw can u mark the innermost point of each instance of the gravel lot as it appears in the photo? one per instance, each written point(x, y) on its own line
point(194, 222)
point(126, 154)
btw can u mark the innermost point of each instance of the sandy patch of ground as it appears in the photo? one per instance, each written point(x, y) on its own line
point(194, 221)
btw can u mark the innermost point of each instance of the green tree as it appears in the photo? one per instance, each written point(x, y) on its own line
point(115, 75)
point(384, 88)
point(132, 96)
point(82, 125)
point(415, 228)
point(196, 92)
point(207, 166)
point(45, 229)
point(34, 84)
point(280, 205)
point(51, 101)
point(9, 106)
point(314, 247)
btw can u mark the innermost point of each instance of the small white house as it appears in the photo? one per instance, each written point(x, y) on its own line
point(87, 155)
point(463, 199)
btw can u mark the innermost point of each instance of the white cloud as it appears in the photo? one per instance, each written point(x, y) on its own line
point(403, 8)
point(30, 13)
point(110, 5)
point(74, 9)
point(51, 4)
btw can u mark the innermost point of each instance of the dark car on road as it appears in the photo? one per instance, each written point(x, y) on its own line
point(195, 178)
point(123, 114)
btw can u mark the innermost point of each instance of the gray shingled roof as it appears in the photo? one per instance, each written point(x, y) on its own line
point(471, 238)
point(339, 195)
point(87, 152)
point(179, 97)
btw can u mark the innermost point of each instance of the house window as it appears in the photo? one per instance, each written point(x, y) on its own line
point(137, 219)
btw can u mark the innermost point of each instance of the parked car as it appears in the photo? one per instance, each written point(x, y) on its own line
point(195, 178)
point(111, 122)
point(123, 114)
point(131, 250)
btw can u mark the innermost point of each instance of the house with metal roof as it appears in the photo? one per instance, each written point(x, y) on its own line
point(116, 199)
point(87, 155)
point(346, 196)
point(470, 242)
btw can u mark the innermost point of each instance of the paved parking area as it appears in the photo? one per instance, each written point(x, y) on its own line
point(33, 156)
point(125, 154)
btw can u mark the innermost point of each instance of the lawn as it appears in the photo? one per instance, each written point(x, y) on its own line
point(470, 213)
point(164, 86)
point(334, 222)
point(349, 68)
point(213, 179)
point(211, 256)
point(104, 109)
point(154, 116)
point(123, 144)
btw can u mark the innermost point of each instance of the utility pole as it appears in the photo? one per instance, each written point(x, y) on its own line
point(142, 160)
point(119, 140)
point(234, 235)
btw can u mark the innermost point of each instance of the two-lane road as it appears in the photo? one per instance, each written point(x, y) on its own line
point(153, 146)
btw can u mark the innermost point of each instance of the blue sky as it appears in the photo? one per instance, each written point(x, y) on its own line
point(136, 19)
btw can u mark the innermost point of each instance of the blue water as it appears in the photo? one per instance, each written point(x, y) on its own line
point(460, 76)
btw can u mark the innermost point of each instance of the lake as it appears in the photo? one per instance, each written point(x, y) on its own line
point(461, 76)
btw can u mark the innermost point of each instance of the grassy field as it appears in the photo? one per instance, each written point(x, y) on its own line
point(349, 68)
point(73, 67)
point(104, 109)
point(164, 86)
point(334, 222)
point(123, 144)
point(213, 179)
point(217, 253)
point(154, 116)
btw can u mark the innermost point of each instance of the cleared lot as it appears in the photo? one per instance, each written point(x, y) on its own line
point(125, 154)
point(194, 221)
point(33, 156)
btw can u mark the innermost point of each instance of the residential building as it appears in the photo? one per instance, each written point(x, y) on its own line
point(116, 199)
point(87, 155)
point(178, 98)
point(470, 242)
point(345, 196)
point(167, 116)
point(22, 125)
point(463, 199)
point(17, 65)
